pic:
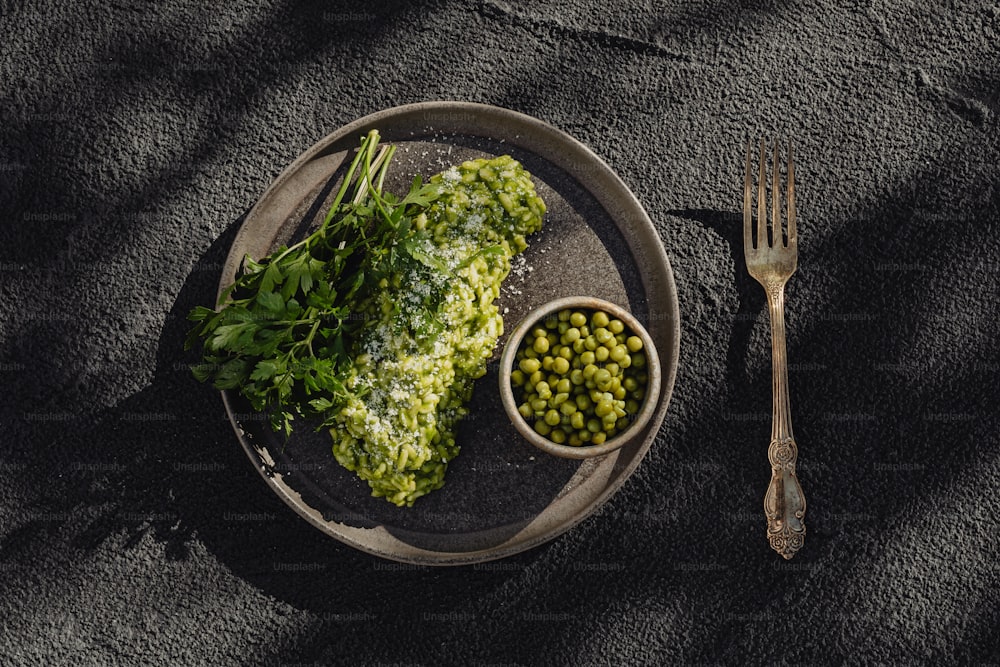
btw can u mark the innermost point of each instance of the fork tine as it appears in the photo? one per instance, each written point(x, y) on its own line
point(791, 198)
point(762, 198)
point(748, 200)
point(776, 238)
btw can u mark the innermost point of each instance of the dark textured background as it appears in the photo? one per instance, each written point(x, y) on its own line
point(134, 137)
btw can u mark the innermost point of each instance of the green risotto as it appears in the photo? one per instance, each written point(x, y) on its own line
point(430, 329)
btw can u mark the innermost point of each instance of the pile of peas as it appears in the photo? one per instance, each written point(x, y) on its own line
point(582, 378)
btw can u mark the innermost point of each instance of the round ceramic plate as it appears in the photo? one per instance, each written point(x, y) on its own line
point(501, 495)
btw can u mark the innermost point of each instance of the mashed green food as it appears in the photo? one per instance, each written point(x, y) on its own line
point(432, 327)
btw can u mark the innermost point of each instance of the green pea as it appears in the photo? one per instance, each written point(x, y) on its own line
point(568, 408)
point(577, 319)
point(541, 345)
point(571, 336)
point(599, 319)
point(542, 428)
point(552, 417)
point(558, 436)
point(517, 377)
point(598, 438)
point(563, 315)
point(601, 354)
point(529, 366)
point(547, 363)
point(564, 386)
point(603, 336)
point(587, 358)
point(618, 353)
point(616, 326)
point(560, 365)
point(634, 343)
point(604, 408)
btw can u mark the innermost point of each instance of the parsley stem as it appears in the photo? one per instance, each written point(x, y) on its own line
point(381, 160)
point(384, 168)
point(309, 339)
point(376, 194)
point(368, 145)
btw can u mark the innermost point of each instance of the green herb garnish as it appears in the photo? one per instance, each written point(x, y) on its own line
point(284, 334)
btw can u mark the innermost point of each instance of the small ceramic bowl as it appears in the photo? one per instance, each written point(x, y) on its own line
point(536, 318)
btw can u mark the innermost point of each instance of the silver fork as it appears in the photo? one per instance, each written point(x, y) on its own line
point(771, 263)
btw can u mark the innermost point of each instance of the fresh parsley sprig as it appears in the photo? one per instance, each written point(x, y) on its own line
point(283, 331)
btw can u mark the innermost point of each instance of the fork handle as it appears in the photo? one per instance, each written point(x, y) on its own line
point(784, 503)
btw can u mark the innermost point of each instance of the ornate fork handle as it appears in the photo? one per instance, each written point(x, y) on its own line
point(784, 503)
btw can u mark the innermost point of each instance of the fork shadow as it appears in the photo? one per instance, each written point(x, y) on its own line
point(752, 299)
